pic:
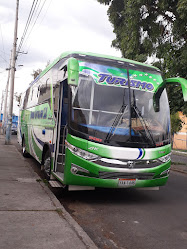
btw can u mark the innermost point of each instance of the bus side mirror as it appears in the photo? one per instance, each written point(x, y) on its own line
point(73, 72)
point(169, 81)
point(181, 81)
point(156, 96)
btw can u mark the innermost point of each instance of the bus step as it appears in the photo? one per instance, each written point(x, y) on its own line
point(56, 184)
point(59, 174)
point(60, 167)
point(59, 159)
point(60, 148)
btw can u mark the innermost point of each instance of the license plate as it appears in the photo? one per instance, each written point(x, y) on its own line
point(124, 183)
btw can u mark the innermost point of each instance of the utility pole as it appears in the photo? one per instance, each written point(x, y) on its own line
point(1, 107)
point(13, 63)
point(6, 98)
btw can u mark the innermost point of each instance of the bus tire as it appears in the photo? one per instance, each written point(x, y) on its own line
point(24, 151)
point(47, 164)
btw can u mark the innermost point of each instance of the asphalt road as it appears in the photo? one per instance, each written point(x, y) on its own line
point(179, 159)
point(131, 218)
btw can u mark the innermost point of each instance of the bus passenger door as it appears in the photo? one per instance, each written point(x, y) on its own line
point(62, 128)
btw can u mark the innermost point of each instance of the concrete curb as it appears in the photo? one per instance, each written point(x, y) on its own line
point(62, 212)
point(74, 225)
point(179, 152)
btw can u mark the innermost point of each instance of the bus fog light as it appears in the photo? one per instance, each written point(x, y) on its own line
point(165, 172)
point(75, 169)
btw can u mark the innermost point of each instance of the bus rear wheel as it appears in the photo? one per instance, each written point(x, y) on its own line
point(24, 151)
point(47, 165)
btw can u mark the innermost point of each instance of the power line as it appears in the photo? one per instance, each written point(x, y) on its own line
point(35, 20)
point(28, 47)
point(27, 23)
point(4, 52)
point(2, 78)
point(3, 43)
point(45, 12)
point(34, 14)
point(3, 58)
point(32, 10)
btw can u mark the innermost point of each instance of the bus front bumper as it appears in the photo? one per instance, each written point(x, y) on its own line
point(79, 171)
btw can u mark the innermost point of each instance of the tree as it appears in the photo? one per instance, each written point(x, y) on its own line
point(17, 97)
point(176, 124)
point(153, 28)
point(36, 73)
point(176, 101)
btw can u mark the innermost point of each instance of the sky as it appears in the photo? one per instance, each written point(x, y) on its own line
point(62, 25)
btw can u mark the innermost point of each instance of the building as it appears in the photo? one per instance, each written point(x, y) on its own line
point(180, 138)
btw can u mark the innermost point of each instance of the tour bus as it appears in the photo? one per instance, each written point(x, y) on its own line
point(92, 120)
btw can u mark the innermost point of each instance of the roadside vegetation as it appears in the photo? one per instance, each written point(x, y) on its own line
point(154, 31)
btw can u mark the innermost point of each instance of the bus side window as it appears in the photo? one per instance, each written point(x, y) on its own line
point(38, 92)
point(22, 101)
point(64, 104)
point(32, 93)
point(35, 96)
point(55, 98)
point(26, 98)
point(45, 90)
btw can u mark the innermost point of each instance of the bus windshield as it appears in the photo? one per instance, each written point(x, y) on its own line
point(101, 111)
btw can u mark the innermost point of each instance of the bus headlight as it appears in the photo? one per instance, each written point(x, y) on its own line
point(82, 153)
point(165, 158)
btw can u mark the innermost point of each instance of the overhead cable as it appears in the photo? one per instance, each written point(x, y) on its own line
point(32, 10)
point(35, 20)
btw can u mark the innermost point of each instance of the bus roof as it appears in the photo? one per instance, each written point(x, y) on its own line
point(69, 53)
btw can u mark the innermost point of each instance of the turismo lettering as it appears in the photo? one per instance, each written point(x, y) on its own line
point(124, 82)
point(42, 114)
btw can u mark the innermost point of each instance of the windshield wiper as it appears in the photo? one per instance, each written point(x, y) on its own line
point(115, 123)
point(147, 131)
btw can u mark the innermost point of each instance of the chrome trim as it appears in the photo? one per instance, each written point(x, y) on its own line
point(117, 175)
point(128, 164)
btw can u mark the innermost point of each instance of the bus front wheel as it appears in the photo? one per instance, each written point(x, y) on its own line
point(47, 164)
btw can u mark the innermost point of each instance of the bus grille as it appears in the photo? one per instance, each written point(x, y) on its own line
point(137, 164)
point(115, 175)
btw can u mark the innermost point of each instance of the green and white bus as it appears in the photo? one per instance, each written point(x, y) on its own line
point(99, 121)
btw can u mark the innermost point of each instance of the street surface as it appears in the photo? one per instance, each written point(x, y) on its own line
point(179, 159)
point(131, 218)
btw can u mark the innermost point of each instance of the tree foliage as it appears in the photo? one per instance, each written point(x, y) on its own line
point(176, 123)
point(153, 28)
point(39, 70)
point(36, 73)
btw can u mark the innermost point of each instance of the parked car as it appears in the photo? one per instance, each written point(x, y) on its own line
point(14, 129)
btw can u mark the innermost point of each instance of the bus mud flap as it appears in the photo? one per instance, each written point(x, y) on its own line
point(78, 188)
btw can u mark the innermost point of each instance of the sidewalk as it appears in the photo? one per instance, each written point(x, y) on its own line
point(30, 215)
point(179, 167)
